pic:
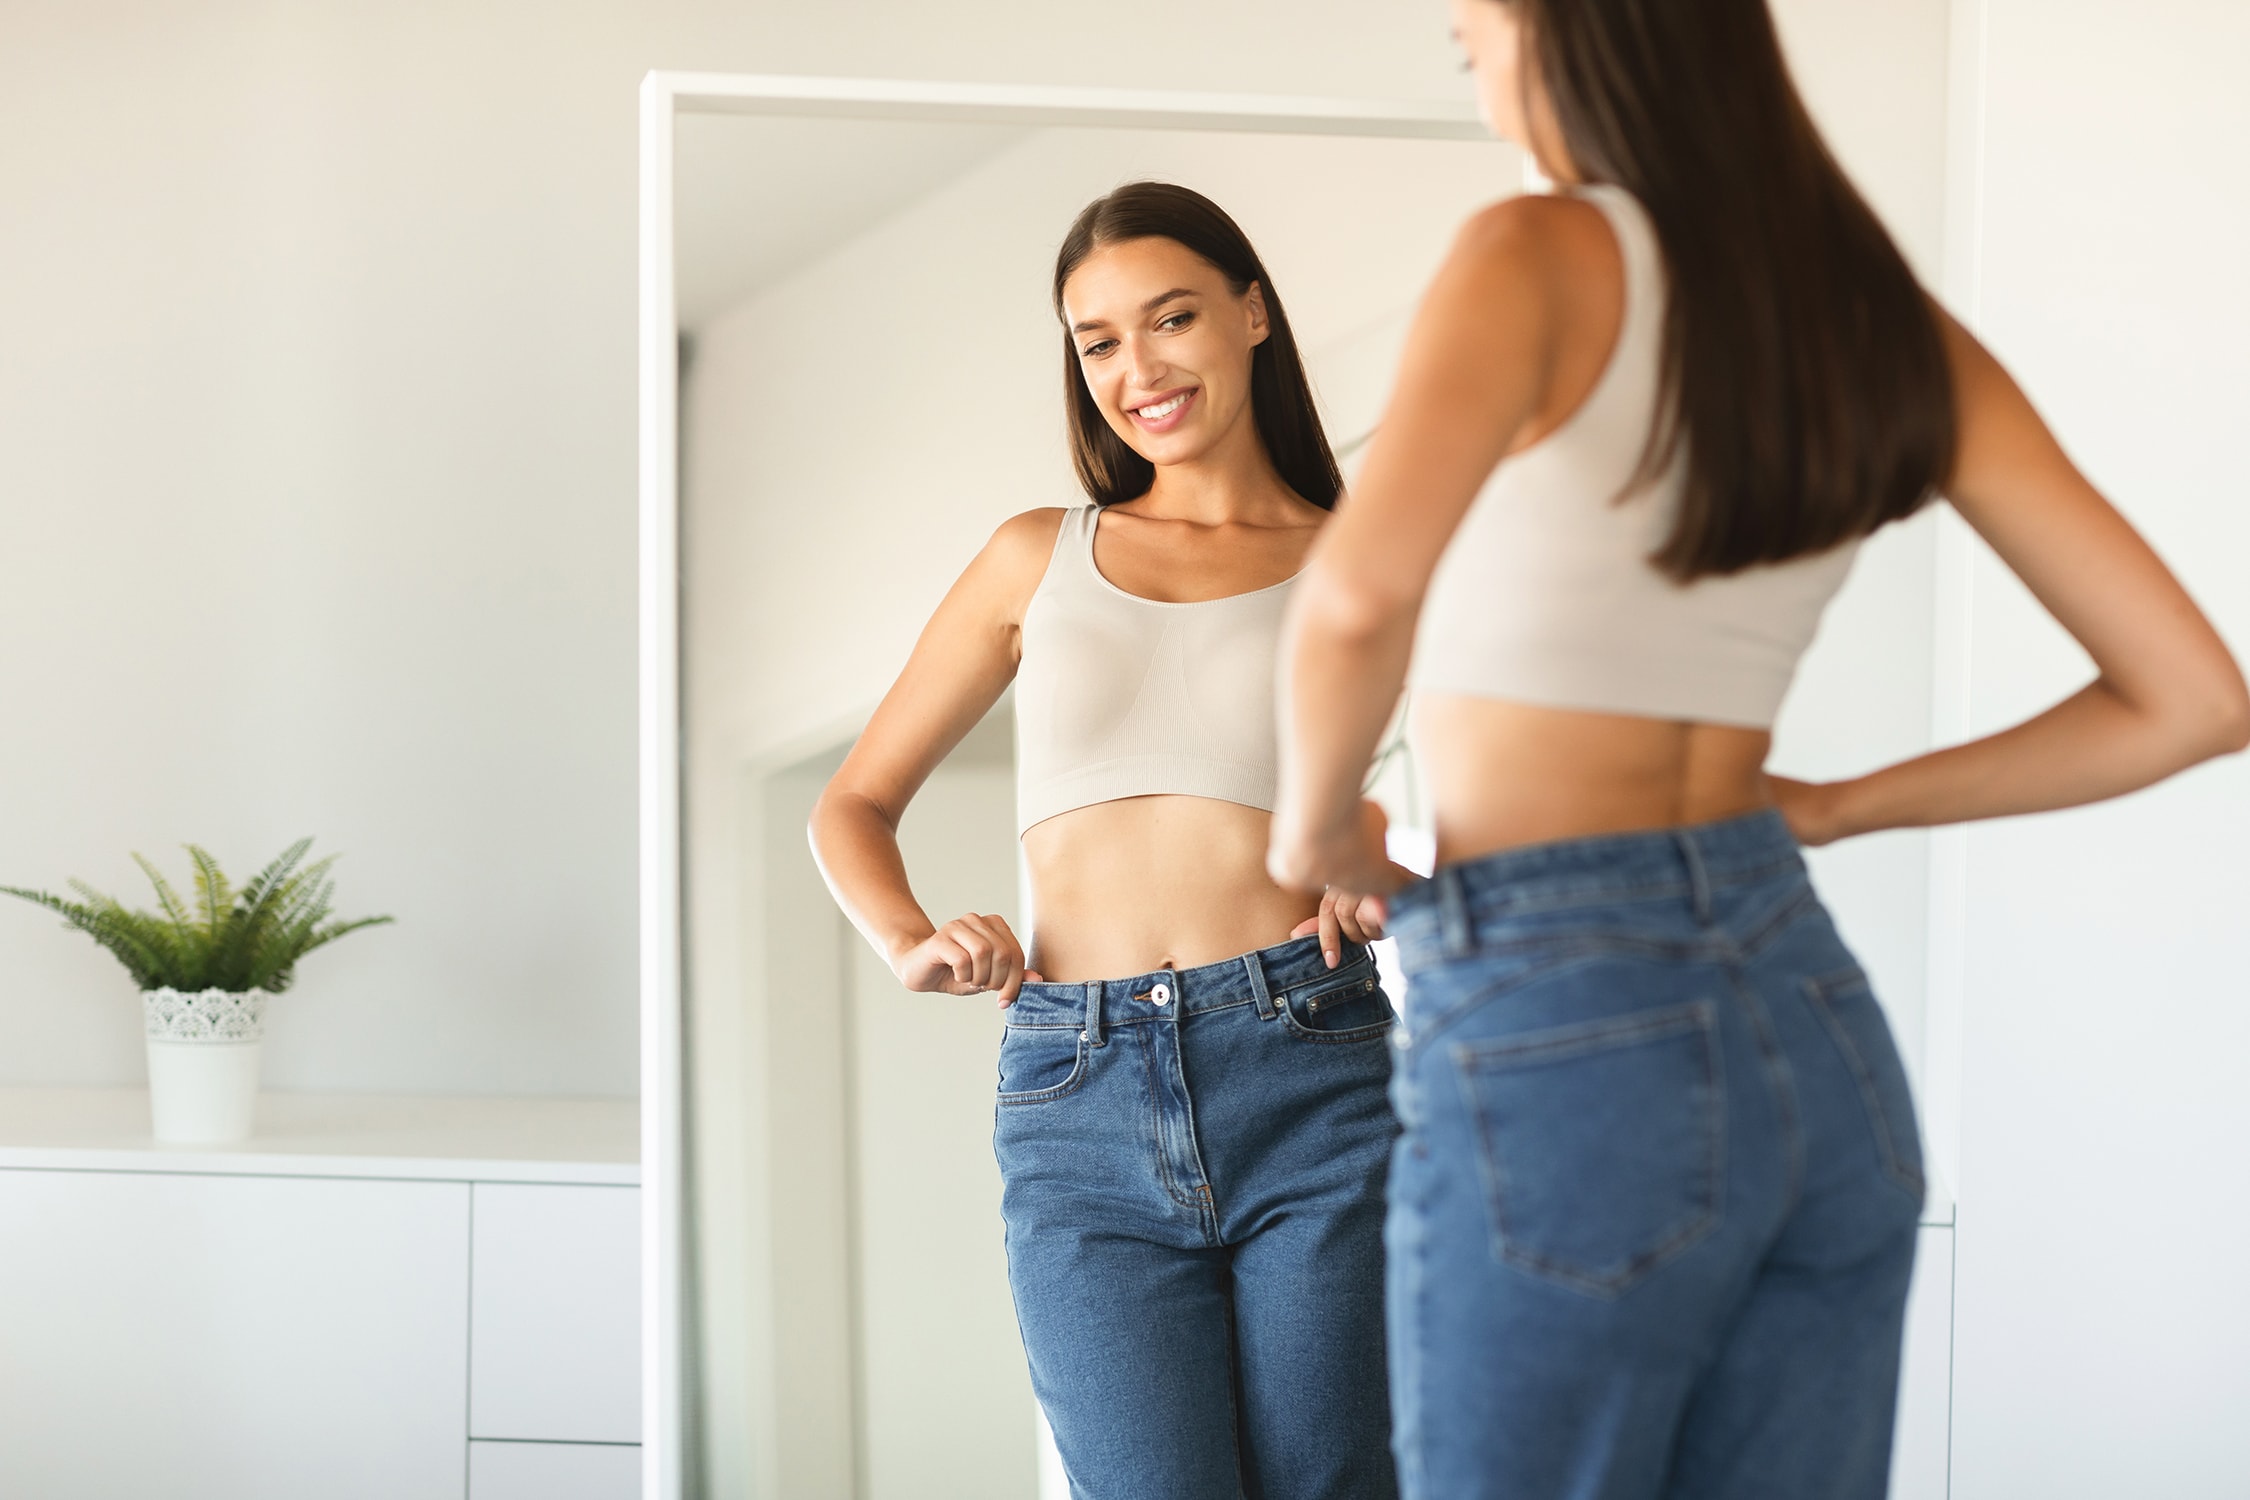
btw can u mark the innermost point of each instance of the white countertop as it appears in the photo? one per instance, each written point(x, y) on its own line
point(593, 1141)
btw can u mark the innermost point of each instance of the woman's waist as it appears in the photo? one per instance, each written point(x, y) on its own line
point(1505, 775)
point(1678, 886)
point(1275, 970)
point(1133, 928)
point(1144, 882)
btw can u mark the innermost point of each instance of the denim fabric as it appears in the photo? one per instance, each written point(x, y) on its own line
point(1653, 1211)
point(1192, 1165)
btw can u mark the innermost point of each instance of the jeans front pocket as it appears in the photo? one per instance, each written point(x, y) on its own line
point(1602, 1144)
point(1346, 1006)
point(1854, 1018)
point(1039, 1063)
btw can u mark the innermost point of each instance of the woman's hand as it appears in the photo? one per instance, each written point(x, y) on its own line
point(966, 956)
point(1809, 807)
point(1344, 915)
point(1349, 856)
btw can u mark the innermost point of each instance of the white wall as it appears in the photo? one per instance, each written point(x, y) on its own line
point(316, 481)
point(2101, 1313)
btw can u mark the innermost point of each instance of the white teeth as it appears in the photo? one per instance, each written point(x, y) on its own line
point(1163, 409)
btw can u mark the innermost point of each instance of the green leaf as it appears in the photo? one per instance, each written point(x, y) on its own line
point(231, 940)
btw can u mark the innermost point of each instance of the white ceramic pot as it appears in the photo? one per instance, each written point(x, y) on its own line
point(203, 1062)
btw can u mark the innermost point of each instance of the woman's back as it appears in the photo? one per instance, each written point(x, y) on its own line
point(1564, 684)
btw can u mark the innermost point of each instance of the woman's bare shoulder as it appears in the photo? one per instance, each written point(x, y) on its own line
point(1537, 233)
point(1007, 570)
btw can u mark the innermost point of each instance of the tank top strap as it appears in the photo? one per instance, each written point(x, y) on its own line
point(1069, 565)
point(1078, 527)
point(1641, 253)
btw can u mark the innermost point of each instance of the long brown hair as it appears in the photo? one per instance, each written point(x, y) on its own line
point(1281, 401)
point(1804, 368)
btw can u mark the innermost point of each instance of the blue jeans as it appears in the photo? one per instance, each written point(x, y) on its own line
point(1653, 1211)
point(1192, 1165)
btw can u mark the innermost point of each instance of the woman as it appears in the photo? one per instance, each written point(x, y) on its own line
point(1653, 1211)
point(1191, 1125)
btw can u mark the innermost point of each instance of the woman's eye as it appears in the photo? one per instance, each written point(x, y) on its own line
point(1177, 321)
point(1097, 350)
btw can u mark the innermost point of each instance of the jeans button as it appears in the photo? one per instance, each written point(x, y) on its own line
point(1162, 994)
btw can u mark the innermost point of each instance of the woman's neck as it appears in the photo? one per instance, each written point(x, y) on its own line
point(1234, 481)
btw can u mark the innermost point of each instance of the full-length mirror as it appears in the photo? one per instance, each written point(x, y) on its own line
point(869, 387)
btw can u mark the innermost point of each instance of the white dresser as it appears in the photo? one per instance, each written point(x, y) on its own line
point(396, 1299)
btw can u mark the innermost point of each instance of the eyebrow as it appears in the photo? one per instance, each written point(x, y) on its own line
point(1151, 305)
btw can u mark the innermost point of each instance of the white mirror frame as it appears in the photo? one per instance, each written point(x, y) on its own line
point(664, 96)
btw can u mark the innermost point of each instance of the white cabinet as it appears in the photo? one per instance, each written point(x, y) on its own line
point(331, 1309)
point(554, 1471)
point(236, 1338)
point(555, 1314)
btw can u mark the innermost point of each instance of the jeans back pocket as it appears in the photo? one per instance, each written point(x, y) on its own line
point(1601, 1144)
point(1854, 1018)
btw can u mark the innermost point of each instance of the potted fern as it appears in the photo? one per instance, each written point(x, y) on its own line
point(205, 971)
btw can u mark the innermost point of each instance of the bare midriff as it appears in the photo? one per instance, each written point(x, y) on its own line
point(1502, 775)
point(1142, 883)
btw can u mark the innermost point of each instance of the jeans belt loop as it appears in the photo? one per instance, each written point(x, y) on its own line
point(1254, 965)
point(1698, 874)
point(1094, 1012)
point(1454, 931)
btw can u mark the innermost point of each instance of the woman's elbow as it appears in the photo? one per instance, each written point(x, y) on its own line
point(1343, 610)
point(2214, 719)
point(2231, 720)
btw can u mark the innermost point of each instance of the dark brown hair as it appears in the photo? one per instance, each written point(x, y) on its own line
point(1804, 368)
point(1281, 399)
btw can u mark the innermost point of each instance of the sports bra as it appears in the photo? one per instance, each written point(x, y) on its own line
point(1546, 594)
point(1121, 696)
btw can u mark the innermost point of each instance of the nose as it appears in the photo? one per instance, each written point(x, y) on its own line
point(1145, 368)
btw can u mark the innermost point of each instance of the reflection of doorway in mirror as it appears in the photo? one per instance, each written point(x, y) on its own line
point(898, 1373)
point(946, 1402)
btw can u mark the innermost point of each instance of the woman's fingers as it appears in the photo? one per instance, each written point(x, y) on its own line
point(1331, 929)
point(1006, 974)
point(975, 966)
point(1361, 917)
point(990, 957)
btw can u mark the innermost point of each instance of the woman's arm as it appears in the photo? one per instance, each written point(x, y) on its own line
point(1473, 374)
point(965, 659)
point(2166, 695)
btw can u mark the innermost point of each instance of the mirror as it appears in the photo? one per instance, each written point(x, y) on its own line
point(866, 386)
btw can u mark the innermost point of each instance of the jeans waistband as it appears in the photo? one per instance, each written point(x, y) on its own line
point(1694, 862)
point(1254, 978)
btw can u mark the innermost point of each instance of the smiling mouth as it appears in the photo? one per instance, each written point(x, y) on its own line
point(1157, 411)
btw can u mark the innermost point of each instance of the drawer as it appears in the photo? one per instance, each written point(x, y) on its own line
point(554, 1471)
point(555, 1300)
point(231, 1338)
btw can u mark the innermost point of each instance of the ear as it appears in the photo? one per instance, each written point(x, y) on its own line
point(1254, 303)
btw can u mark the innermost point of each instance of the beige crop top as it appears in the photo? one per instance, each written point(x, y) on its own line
point(1546, 595)
point(1121, 696)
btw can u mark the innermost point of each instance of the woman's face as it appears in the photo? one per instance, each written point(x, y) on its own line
point(1490, 34)
point(1164, 345)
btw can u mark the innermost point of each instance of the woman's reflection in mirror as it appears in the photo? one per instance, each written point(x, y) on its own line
point(1191, 1124)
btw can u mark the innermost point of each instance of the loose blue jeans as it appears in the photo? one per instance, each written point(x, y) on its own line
point(1652, 1214)
point(1192, 1164)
